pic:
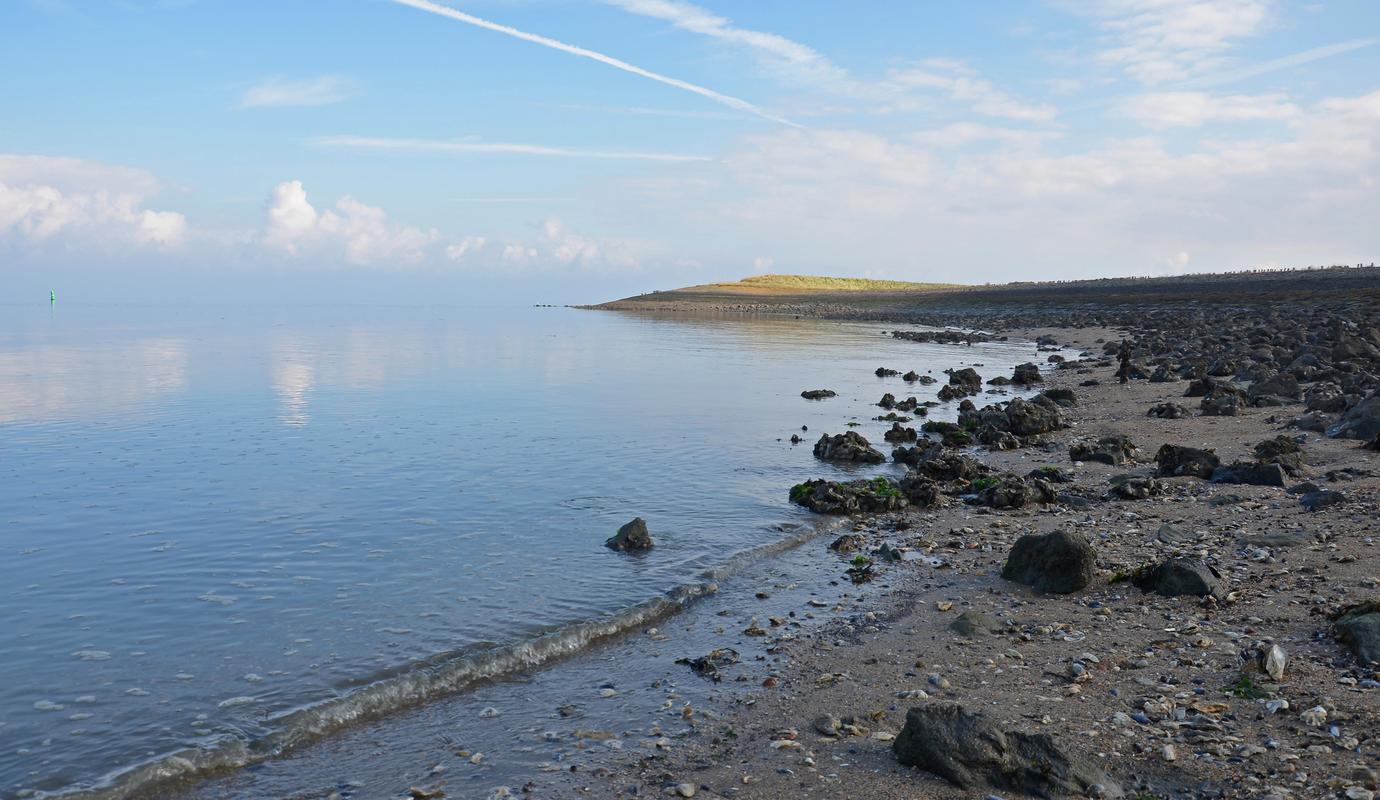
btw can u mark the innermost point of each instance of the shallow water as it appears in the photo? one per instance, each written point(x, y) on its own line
point(212, 516)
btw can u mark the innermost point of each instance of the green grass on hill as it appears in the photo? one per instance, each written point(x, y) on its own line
point(817, 283)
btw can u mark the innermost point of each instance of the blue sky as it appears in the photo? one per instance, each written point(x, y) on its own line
point(574, 149)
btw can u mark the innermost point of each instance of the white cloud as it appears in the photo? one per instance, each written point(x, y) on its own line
point(494, 148)
point(1163, 41)
point(362, 234)
point(466, 247)
point(1193, 109)
point(283, 92)
point(960, 83)
point(67, 202)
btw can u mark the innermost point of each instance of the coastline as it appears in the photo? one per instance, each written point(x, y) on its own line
point(1158, 706)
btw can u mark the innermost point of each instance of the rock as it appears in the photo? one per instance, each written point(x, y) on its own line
point(848, 543)
point(1358, 627)
point(1064, 398)
point(911, 377)
point(1283, 451)
point(949, 393)
point(1026, 374)
point(1373, 444)
point(1277, 390)
point(632, 536)
point(852, 497)
point(848, 447)
point(967, 378)
point(1135, 487)
point(1051, 474)
point(817, 394)
point(1011, 491)
point(1167, 411)
point(1325, 498)
point(883, 372)
point(1220, 404)
point(1111, 450)
point(1180, 576)
point(1034, 417)
point(1171, 535)
point(1252, 474)
point(681, 790)
point(888, 400)
point(1060, 562)
point(1175, 461)
point(973, 623)
point(897, 433)
point(972, 752)
point(1274, 661)
point(827, 725)
point(920, 491)
point(1361, 422)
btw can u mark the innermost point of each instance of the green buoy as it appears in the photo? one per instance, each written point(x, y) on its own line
point(52, 296)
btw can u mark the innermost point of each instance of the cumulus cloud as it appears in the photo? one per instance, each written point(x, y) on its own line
point(72, 203)
point(1193, 109)
point(362, 234)
point(284, 92)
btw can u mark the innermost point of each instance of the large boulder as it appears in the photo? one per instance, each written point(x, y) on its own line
point(1180, 576)
point(849, 447)
point(1283, 451)
point(632, 536)
point(1060, 562)
point(1358, 628)
point(1361, 422)
point(972, 752)
point(967, 378)
point(1220, 404)
point(920, 490)
point(1276, 390)
point(1026, 374)
point(1176, 462)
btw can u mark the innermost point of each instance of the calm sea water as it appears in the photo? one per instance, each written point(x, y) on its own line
point(211, 517)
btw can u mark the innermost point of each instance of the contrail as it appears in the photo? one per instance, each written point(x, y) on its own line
point(460, 16)
point(1266, 67)
point(507, 148)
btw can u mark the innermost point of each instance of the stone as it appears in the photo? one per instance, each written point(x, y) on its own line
point(817, 394)
point(1358, 627)
point(1060, 562)
point(973, 752)
point(1063, 397)
point(1034, 417)
point(1251, 474)
point(852, 497)
point(848, 447)
point(1180, 576)
point(1175, 461)
point(1283, 451)
point(632, 536)
point(1361, 422)
point(1135, 487)
point(1026, 374)
point(1167, 411)
point(1111, 450)
point(1274, 662)
point(1325, 498)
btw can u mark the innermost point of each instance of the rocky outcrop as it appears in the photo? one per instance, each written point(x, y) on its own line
point(852, 497)
point(632, 536)
point(847, 447)
point(1060, 562)
point(975, 754)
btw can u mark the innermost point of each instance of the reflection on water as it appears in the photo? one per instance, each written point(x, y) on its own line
point(53, 382)
point(210, 517)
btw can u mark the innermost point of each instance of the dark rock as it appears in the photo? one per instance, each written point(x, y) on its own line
point(1314, 421)
point(1026, 374)
point(1281, 388)
point(1051, 474)
point(848, 447)
point(1170, 534)
point(1135, 487)
point(1317, 501)
point(1064, 398)
point(848, 543)
point(900, 434)
point(1283, 451)
point(972, 752)
point(1167, 411)
point(1180, 576)
point(1358, 627)
point(921, 491)
point(817, 394)
point(1060, 562)
point(911, 377)
point(632, 536)
point(1220, 404)
point(1175, 461)
point(1252, 474)
point(1361, 422)
point(1010, 491)
point(883, 372)
point(949, 393)
point(1111, 450)
point(888, 400)
point(1033, 418)
point(968, 378)
point(852, 497)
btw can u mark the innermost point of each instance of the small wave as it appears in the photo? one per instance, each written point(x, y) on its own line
point(441, 675)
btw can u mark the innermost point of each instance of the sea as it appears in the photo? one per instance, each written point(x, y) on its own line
point(234, 541)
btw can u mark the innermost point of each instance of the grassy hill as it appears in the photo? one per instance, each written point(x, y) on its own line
point(806, 284)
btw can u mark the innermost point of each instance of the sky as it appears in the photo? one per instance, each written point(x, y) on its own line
point(578, 150)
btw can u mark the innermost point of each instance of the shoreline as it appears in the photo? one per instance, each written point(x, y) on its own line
point(1158, 703)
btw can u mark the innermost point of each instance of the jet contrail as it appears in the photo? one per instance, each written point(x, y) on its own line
point(460, 16)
